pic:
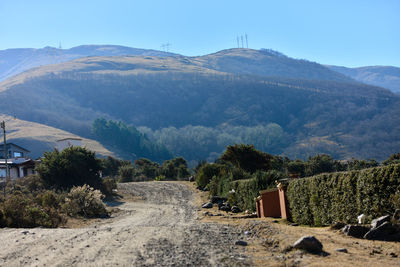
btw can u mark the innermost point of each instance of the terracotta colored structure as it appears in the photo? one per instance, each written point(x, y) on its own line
point(283, 203)
point(268, 204)
point(272, 203)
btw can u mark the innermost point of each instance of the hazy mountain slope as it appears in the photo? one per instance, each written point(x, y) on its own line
point(39, 138)
point(343, 119)
point(384, 76)
point(14, 61)
point(266, 62)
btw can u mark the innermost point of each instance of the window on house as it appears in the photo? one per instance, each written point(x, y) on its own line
point(3, 172)
point(18, 154)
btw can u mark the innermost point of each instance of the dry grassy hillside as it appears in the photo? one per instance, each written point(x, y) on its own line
point(39, 138)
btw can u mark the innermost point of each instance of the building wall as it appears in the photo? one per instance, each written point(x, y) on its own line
point(269, 204)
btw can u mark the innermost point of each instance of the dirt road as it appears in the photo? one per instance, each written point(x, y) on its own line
point(162, 229)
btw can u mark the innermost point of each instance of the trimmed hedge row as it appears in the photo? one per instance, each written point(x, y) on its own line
point(244, 190)
point(342, 196)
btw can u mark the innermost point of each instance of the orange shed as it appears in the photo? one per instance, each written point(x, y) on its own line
point(268, 204)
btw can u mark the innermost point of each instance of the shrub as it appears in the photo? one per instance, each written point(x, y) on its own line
point(49, 200)
point(84, 201)
point(342, 196)
point(74, 166)
point(22, 211)
point(206, 172)
point(109, 184)
point(160, 178)
point(125, 173)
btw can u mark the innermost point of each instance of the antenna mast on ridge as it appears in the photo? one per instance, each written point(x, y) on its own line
point(247, 44)
point(60, 52)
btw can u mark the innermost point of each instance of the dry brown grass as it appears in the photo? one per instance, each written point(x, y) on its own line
point(45, 136)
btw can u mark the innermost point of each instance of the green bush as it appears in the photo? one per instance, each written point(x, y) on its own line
point(84, 201)
point(342, 196)
point(74, 166)
point(125, 173)
point(206, 173)
point(160, 178)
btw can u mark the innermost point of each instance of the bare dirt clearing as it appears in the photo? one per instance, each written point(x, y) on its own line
point(162, 229)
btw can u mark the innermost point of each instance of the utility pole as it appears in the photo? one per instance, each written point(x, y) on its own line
point(3, 125)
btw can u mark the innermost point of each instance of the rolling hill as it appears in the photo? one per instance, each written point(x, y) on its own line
point(15, 61)
point(39, 138)
point(384, 76)
point(311, 108)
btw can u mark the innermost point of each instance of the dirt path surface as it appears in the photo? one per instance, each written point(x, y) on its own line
point(161, 229)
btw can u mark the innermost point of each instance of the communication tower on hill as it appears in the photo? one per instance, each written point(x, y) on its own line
point(165, 47)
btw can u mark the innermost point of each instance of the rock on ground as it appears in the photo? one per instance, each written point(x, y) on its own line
point(308, 243)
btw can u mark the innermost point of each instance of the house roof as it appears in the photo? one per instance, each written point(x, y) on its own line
point(16, 161)
point(71, 138)
point(12, 144)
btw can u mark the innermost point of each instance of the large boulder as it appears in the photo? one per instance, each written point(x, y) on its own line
point(385, 231)
point(308, 243)
point(377, 222)
point(235, 209)
point(355, 230)
point(225, 208)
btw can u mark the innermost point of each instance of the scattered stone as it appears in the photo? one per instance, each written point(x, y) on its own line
point(355, 230)
point(309, 244)
point(342, 250)
point(25, 232)
point(207, 213)
point(246, 232)
point(241, 243)
point(394, 255)
point(382, 232)
point(374, 251)
point(217, 199)
point(224, 207)
point(377, 222)
point(235, 209)
point(207, 205)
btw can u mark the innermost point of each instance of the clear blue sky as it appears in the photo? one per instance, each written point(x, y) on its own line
point(340, 32)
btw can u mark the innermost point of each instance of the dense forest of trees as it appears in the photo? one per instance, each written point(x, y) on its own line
point(128, 141)
point(200, 142)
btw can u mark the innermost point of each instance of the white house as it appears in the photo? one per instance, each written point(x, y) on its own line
point(18, 163)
